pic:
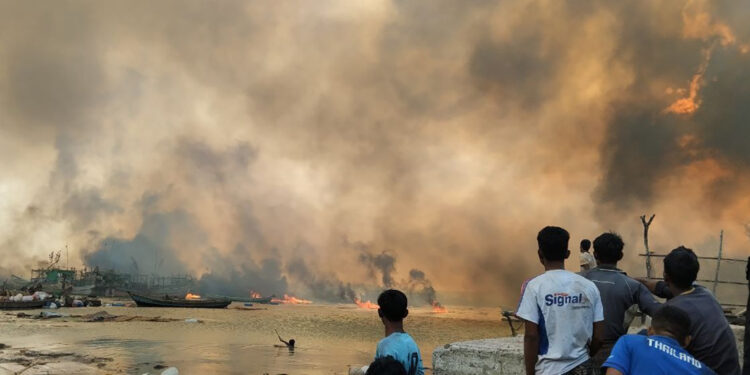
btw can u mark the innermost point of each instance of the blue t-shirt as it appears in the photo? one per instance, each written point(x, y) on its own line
point(402, 348)
point(637, 354)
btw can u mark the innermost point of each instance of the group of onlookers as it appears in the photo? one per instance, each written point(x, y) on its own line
point(576, 323)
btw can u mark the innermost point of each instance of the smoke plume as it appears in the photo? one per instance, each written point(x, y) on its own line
point(240, 142)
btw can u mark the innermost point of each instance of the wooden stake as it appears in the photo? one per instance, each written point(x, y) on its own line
point(646, 224)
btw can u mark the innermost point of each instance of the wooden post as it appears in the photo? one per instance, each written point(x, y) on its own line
point(718, 260)
point(646, 224)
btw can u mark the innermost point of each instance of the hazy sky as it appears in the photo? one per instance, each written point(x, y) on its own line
point(278, 142)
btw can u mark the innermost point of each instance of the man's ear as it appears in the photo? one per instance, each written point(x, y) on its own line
point(406, 313)
point(567, 254)
point(541, 256)
point(688, 339)
point(619, 257)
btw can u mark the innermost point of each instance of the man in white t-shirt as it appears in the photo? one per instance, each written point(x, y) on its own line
point(588, 261)
point(562, 311)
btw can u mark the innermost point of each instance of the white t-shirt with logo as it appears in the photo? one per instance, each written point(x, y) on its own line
point(565, 306)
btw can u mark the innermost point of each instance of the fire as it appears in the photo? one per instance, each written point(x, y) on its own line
point(291, 300)
point(192, 296)
point(438, 308)
point(254, 294)
point(366, 304)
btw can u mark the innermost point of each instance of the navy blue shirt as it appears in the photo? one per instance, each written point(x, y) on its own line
point(713, 340)
point(636, 354)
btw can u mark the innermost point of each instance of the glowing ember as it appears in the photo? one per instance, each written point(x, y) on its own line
point(438, 308)
point(192, 296)
point(254, 294)
point(291, 300)
point(366, 304)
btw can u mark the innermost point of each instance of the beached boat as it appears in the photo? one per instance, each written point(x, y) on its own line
point(172, 301)
point(21, 305)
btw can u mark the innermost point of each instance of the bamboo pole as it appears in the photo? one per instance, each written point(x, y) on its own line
point(718, 260)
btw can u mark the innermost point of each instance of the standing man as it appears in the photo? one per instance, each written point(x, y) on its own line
point(562, 312)
point(618, 291)
point(713, 341)
point(587, 260)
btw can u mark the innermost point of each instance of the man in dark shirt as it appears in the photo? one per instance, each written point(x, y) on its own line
point(713, 340)
point(619, 292)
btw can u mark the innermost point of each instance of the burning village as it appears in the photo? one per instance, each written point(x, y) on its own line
point(374, 187)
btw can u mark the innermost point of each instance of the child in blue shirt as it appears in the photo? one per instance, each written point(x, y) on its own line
point(661, 352)
point(397, 343)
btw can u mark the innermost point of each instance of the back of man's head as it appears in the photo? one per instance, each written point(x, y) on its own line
point(608, 247)
point(392, 304)
point(553, 243)
point(585, 244)
point(386, 366)
point(671, 321)
point(681, 267)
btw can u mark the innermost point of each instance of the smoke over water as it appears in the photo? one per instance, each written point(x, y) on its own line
point(241, 142)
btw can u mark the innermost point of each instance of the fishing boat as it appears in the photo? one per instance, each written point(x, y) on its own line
point(21, 305)
point(172, 301)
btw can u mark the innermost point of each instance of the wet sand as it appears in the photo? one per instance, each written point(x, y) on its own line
point(227, 341)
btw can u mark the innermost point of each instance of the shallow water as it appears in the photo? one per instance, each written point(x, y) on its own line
point(229, 341)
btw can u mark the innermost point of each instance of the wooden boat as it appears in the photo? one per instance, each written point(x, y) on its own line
point(10, 305)
point(171, 301)
point(261, 300)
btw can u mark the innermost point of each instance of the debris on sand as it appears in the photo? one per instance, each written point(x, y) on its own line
point(37, 361)
point(101, 316)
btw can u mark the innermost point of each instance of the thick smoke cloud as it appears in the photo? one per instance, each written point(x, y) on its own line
point(241, 142)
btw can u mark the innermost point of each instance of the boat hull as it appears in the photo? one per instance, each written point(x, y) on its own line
point(8, 305)
point(149, 301)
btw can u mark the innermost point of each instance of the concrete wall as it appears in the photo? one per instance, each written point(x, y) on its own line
point(498, 356)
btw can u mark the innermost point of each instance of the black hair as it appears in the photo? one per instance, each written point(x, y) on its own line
point(672, 320)
point(681, 266)
point(553, 243)
point(392, 304)
point(291, 342)
point(386, 366)
point(608, 247)
point(585, 244)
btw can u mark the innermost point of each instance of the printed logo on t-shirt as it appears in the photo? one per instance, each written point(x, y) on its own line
point(562, 299)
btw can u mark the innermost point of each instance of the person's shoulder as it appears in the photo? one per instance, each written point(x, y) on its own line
point(533, 282)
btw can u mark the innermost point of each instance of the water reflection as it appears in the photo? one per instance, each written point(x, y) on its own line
point(329, 338)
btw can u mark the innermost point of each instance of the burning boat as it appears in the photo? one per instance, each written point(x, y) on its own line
point(190, 300)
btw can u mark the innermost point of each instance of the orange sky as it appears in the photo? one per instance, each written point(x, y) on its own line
point(445, 133)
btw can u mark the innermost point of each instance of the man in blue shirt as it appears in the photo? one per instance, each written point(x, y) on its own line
point(661, 352)
point(397, 343)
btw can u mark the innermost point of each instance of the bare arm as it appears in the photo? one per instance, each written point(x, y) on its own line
point(596, 340)
point(611, 371)
point(648, 283)
point(530, 346)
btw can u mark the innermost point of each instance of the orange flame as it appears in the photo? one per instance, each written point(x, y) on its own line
point(366, 304)
point(192, 296)
point(291, 300)
point(254, 294)
point(438, 308)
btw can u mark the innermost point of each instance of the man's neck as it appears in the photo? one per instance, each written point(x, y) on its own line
point(392, 327)
point(554, 265)
point(606, 265)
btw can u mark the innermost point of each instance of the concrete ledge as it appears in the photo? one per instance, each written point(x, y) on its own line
point(481, 357)
point(499, 356)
